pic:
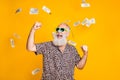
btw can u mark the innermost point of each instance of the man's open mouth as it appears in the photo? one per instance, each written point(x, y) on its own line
point(58, 35)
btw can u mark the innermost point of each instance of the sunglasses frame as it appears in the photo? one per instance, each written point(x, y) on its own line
point(60, 29)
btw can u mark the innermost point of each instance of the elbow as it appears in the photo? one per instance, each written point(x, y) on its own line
point(28, 49)
point(80, 67)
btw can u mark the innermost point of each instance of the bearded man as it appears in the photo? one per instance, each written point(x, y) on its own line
point(59, 58)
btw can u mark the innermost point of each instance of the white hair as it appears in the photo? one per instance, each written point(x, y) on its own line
point(68, 27)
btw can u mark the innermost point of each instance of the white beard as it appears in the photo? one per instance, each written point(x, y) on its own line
point(59, 42)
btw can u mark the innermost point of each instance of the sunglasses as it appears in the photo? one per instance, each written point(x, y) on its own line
point(60, 29)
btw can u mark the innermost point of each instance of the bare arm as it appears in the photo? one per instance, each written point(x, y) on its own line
point(30, 41)
point(83, 60)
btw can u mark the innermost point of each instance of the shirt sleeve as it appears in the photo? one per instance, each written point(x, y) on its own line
point(40, 48)
point(77, 57)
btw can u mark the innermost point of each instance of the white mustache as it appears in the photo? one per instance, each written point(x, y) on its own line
point(59, 42)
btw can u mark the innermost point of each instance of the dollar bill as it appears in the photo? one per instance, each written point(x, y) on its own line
point(46, 9)
point(35, 71)
point(34, 11)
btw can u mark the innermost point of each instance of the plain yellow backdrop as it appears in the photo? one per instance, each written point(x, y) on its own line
point(103, 38)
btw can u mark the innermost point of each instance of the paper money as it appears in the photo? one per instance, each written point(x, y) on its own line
point(35, 71)
point(12, 43)
point(76, 23)
point(85, 21)
point(18, 10)
point(88, 23)
point(46, 9)
point(71, 43)
point(92, 21)
point(85, 5)
point(16, 36)
point(34, 11)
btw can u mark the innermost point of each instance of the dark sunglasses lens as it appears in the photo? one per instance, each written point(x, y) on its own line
point(62, 29)
point(57, 29)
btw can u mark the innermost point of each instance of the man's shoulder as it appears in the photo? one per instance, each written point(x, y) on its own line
point(44, 43)
point(47, 43)
point(71, 46)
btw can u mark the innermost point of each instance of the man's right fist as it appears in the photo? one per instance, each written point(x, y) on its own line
point(37, 25)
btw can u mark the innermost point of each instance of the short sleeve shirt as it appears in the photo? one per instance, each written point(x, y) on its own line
point(57, 65)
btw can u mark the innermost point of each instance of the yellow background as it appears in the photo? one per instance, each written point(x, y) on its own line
point(103, 38)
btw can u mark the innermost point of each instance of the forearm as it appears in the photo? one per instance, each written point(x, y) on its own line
point(82, 62)
point(30, 42)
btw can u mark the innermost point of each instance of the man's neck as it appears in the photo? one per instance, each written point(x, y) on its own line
point(62, 48)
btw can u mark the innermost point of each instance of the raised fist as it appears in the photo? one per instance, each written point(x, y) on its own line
point(37, 25)
point(84, 49)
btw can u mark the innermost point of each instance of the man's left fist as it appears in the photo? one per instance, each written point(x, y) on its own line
point(84, 48)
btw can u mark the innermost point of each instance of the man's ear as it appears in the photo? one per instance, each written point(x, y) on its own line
point(67, 34)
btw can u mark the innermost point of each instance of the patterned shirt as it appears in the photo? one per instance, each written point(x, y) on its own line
point(57, 65)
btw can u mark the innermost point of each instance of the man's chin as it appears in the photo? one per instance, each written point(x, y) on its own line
point(59, 43)
point(59, 38)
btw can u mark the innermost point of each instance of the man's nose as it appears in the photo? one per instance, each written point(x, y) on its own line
point(59, 31)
